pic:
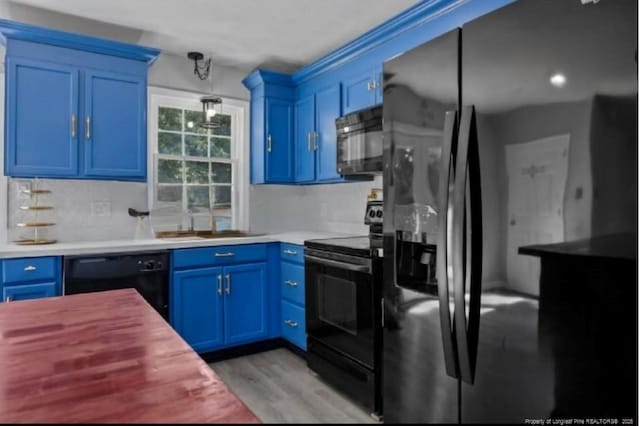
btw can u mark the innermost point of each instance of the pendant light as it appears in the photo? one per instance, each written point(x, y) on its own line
point(211, 104)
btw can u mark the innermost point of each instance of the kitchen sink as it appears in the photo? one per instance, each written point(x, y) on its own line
point(201, 235)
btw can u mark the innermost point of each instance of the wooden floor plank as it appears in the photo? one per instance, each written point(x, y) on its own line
point(278, 387)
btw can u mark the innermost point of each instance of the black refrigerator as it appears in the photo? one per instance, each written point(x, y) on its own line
point(510, 218)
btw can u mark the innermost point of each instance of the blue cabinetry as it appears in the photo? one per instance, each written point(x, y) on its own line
point(41, 113)
point(30, 278)
point(114, 125)
point(196, 307)
point(315, 136)
point(362, 90)
point(219, 300)
point(75, 105)
point(292, 290)
point(271, 133)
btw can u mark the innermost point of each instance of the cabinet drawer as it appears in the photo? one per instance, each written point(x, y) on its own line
point(29, 269)
point(292, 282)
point(29, 291)
point(219, 255)
point(292, 253)
point(294, 325)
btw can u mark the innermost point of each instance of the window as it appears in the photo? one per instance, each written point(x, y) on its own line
point(197, 172)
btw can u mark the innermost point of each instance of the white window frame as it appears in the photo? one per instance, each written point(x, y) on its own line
point(239, 111)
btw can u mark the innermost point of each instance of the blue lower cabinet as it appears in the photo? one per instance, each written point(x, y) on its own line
point(197, 307)
point(29, 291)
point(292, 290)
point(225, 296)
point(294, 325)
point(245, 303)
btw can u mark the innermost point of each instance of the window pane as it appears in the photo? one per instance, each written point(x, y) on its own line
point(197, 171)
point(169, 171)
point(223, 223)
point(221, 172)
point(170, 119)
point(169, 143)
point(221, 147)
point(170, 194)
point(225, 125)
point(192, 121)
point(195, 146)
point(222, 196)
point(198, 197)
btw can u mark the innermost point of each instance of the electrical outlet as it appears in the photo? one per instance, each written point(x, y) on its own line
point(101, 208)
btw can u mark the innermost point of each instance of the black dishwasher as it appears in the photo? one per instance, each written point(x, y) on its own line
point(146, 272)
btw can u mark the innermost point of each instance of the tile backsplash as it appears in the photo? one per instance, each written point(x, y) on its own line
point(330, 208)
point(82, 210)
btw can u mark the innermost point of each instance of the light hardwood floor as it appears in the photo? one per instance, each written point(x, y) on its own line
point(279, 388)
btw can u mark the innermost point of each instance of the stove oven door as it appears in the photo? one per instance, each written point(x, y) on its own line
point(339, 304)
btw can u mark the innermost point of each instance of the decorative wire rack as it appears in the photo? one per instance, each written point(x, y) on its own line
point(34, 221)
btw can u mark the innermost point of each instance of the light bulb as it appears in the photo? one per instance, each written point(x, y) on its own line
point(190, 124)
point(211, 113)
point(558, 80)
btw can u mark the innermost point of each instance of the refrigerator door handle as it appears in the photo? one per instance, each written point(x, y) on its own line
point(444, 258)
point(467, 245)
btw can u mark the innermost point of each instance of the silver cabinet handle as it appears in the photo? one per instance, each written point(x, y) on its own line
point(291, 323)
point(291, 283)
point(315, 141)
point(88, 127)
point(228, 289)
point(308, 141)
point(74, 125)
point(30, 268)
point(228, 254)
point(292, 252)
point(219, 284)
point(368, 85)
point(269, 143)
point(374, 85)
point(8, 299)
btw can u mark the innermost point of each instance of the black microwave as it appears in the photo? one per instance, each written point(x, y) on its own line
point(359, 137)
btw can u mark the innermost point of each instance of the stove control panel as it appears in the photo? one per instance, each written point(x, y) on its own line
point(373, 214)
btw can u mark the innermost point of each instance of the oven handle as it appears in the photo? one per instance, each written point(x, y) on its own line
point(342, 265)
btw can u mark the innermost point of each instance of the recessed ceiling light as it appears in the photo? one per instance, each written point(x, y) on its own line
point(558, 80)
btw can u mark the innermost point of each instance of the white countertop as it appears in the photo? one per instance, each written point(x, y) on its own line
point(115, 246)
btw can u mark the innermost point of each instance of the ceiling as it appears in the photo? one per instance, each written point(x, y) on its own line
point(278, 34)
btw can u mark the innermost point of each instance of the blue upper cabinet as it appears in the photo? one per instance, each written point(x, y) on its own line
point(75, 105)
point(279, 147)
point(305, 127)
point(315, 136)
point(114, 123)
point(272, 151)
point(327, 110)
point(46, 93)
point(362, 90)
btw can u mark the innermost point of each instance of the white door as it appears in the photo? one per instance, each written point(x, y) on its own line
point(536, 175)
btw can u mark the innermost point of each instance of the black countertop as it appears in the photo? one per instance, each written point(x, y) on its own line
point(616, 246)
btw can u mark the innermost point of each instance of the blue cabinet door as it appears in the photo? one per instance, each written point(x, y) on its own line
point(196, 307)
point(41, 119)
point(114, 126)
point(245, 303)
point(29, 291)
point(362, 90)
point(279, 141)
point(304, 140)
point(327, 110)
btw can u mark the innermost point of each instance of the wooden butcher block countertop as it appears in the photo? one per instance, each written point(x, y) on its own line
point(104, 357)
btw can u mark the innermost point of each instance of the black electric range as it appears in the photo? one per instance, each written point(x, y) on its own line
point(343, 316)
